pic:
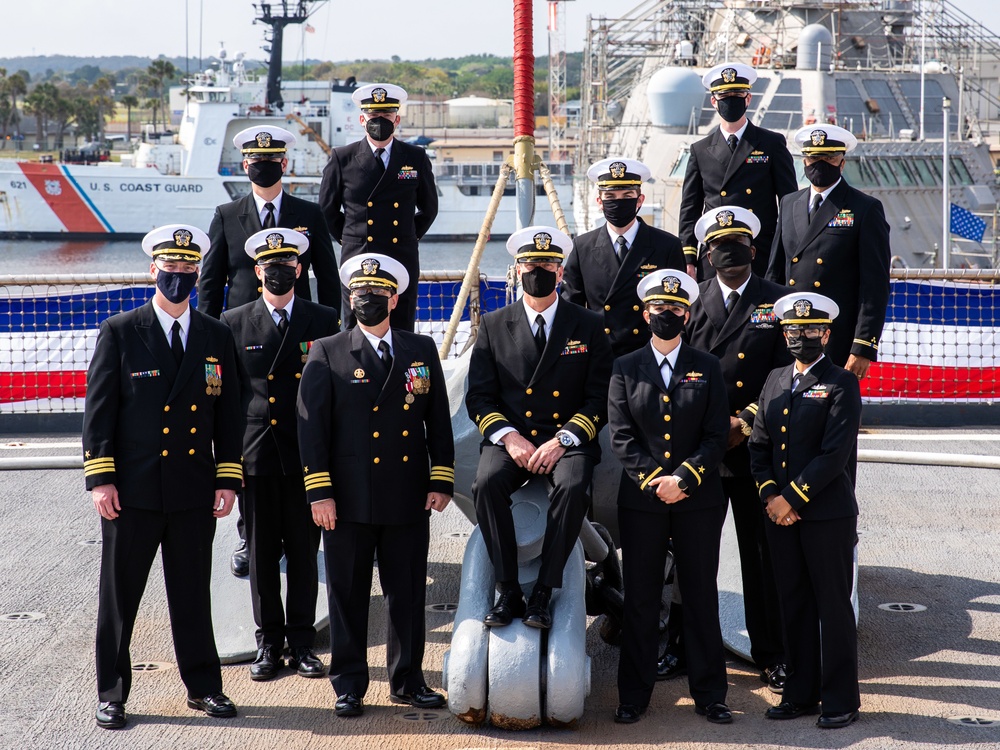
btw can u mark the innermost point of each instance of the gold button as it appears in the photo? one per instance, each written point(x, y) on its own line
point(394, 240)
point(666, 454)
point(785, 411)
point(194, 407)
point(795, 260)
point(739, 383)
point(555, 416)
point(375, 434)
point(395, 223)
point(723, 193)
point(271, 400)
point(370, 238)
point(782, 446)
point(635, 307)
point(405, 459)
point(666, 417)
point(406, 407)
point(741, 355)
point(816, 283)
point(191, 452)
point(270, 377)
point(782, 464)
point(376, 460)
point(666, 436)
point(370, 222)
point(534, 432)
point(635, 330)
point(749, 191)
point(166, 430)
point(607, 330)
point(166, 408)
point(555, 394)
point(820, 261)
point(274, 421)
point(165, 453)
point(194, 430)
point(528, 391)
point(406, 433)
point(395, 205)
point(374, 408)
point(791, 282)
point(298, 375)
point(370, 204)
point(783, 428)
point(527, 413)
point(260, 289)
point(666, 399)
point(607, 307)
point(559, 425)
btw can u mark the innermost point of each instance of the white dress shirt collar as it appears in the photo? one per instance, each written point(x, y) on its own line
point(629, 235)
point(670, 358)
point(726, 291)
point(375, 340)
point(287, 308)
point(388, 150)
point(548, 315)
point(262, 212)
point(166, 321)
point(739, 133)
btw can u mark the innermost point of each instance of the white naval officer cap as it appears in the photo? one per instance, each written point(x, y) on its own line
point(805, 308)
point(373, 269)
point(825, 139)
point(618, 173)
point(539, 244)
point(263, 140)
point(726, 220)
point(379, 97)
point(275, 245)
point(729, 76)
point(182, 242)
point(668, 285)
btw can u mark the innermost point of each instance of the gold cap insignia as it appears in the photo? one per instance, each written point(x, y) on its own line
point(369, 266)
point(378, 96)
point(671, 284)
point(818, 137)
point(803, 308)
point(275, 240)
point(543, 241)
point(725, 218)
point(729, 75)
point(617, 170)
point(182, 238)
point(263, 140)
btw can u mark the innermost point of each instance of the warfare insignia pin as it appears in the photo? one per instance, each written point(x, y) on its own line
point(359, 373)
point(803, 308)
point(378, 96)
point(818, 137)
point(213, 360)
point(182, 238)
point(617, 170)
point(725, 218)
point(729, 75)
point(543, 240)
point(275, 240)
point(263, 140)
point(671, 284)
point(369, 266)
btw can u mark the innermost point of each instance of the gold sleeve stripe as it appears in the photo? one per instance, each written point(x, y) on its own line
point(769, 481)
point(489, 419)
point(105, 459)
point(87, 472)
point(800, 492)
point(319, 475)
point(652, 474)
point(752, 408)
point(318, 484)
point(443, 470)
point(691, 251)
point(693, 471)
point(585, 424)
point(866, 343)
point(229, 465)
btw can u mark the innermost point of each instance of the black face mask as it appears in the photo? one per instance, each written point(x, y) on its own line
point(666, 325)
point(538, 282)
point(732, 108)
point(370, 309)
point(264, 173)
point(176, 286)
point(380, 128)
point(805, 350)
point(620, 211)
point(731, 254)
point(822, 174)
point(279, 279)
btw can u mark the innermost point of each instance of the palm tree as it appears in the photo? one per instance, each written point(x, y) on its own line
point(158, 72)
point(17, 85)
point(129, 101)
point(41, 102)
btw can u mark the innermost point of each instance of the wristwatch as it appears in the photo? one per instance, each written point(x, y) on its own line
point(565, 438)
point(681, 484)
point(745, 428)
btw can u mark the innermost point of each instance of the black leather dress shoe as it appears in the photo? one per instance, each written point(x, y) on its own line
point(789, 710)
point(422, 697)
point(267, 664)
point(836, 721)
point(508, 606)
point(538, 614)
point(716, 713)
point(628, 713)
point(306, 663)
point(216, 705)
point(670, 666)
point(240, 561)
point(349, 704)
point(774, 677)
point(110, 715)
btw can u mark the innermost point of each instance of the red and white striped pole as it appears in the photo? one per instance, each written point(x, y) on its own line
point(524, 113)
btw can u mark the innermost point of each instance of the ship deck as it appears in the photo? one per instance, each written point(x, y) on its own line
point(928, 536)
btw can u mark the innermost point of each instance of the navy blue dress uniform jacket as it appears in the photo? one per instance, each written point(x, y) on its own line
point(803, 443)
point(659, 431)
point(842, 253)
point(748, 343)
point(566, 389)
point(755, 177)
point(227, 262)
point(388, 210)
point(272, 366)
point(166, 437)
point(361, 443)
point(594, 279)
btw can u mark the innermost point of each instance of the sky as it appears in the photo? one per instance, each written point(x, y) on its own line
point(344, 29)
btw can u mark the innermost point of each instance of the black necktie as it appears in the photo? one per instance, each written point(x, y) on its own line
point(622, 247)
point(379, 164)
point(817, 201)
point(386, 355)
point(283, 322)
point(733, 142)
point(175, 342)
point(795, 381)
point(268, 222)
point(540, 333)
point(731, 301)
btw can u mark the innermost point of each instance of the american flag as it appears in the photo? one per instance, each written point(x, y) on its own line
point(309, 29)
point(966, 224)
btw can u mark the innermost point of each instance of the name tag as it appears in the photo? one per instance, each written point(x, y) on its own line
point(145, 374)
